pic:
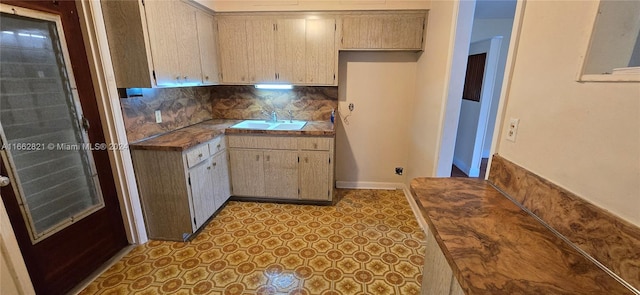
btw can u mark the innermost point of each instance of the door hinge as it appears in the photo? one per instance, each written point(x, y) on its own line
point(298, 159)
point(334, 77)
point(329, 160)
point(298, 192)
point(335, 27)
point(85, 123)
point(142, 2)
point(328, 193)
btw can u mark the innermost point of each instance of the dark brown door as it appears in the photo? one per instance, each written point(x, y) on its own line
point(61, 201)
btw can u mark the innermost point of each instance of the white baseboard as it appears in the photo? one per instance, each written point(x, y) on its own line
point(466, 169)
point(369, 185)
point(416, 211)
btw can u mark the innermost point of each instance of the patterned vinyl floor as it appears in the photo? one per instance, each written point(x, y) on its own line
point(368, 243)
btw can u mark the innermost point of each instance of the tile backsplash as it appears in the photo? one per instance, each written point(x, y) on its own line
point(182, 107)
point(247, 102)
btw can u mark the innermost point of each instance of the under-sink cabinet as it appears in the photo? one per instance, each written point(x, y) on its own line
point(181, 190)
point(282, 167)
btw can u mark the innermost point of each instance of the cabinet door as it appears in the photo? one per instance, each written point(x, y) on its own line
point(320, 51)
point(162, 40)
point(261, 50)
point(290, 50)
point(403, 32)
point(247, 172)
point(220, 175)
point(232, 34)
point(208, 48)
point(383, 32)
point(362, 32)
point(187, 41)
point(314, 175)
point(202, 198)
point(281, 174)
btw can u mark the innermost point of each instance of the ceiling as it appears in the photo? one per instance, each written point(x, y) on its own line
point(495, 9)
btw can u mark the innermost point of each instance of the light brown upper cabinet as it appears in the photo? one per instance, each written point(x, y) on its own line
point(208, 48)
point(383, 31)
point(263, 49)
point(160, 43)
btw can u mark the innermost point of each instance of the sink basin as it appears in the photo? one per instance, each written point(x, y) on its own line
point(266, 125)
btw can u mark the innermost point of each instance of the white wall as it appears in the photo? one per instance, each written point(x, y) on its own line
point(584, 137)
point(381, 87)
point(485, 29)
point(313, 5)
point(440, 69)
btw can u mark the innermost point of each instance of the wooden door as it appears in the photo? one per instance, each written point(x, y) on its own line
point(232, 34)
point(281, 174)
point(220, 175)
point(247, 168)
point(314, 176)
point(320, 51)
point(162, 40)
point(45, 72)
point(261, 50)
point(188, 50)
point(290, 51)
point(208, 48)
point(202, 197)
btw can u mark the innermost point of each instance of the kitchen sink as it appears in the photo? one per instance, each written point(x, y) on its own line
point(267, 125)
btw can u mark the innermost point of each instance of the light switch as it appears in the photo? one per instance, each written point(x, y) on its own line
point(158, 116)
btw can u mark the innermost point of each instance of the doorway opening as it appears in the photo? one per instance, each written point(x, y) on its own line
point(491, 34)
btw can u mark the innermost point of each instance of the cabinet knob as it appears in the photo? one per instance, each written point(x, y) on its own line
point(4, 181)
point(214, 164)
point(177, 77)
point(208, 167)
point(257, 157)
point(206, 77)
point(199, 155)
point(218, 146)
point(268, 158)
point(306, 160)
point(315, 146)
point(185, 77)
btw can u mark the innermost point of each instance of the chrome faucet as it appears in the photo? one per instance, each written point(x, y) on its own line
point(273, 116)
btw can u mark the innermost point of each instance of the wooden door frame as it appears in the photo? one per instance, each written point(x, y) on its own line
point(103, 78)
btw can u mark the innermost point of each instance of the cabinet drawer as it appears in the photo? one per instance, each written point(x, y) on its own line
point(216, 145)
point(197, 155)
point(314, 143)
point(264, 142)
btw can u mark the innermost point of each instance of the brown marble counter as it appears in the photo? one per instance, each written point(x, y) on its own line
point(494, 247)
point(188, 137)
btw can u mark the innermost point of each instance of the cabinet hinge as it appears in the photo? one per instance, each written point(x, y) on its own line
point(298, 192)
point(194, 221)
point(328, 193)
point(335, 27)
point(298, 159)
point(329, 160)
point(189, 180)
point(334, 77)
point(154, 75)
point(142, 2)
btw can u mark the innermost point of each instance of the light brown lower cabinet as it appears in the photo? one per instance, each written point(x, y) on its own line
point(437, 276)
point(180, 190)
point(282, 167)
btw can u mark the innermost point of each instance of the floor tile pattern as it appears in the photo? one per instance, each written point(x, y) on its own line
point(368, 243)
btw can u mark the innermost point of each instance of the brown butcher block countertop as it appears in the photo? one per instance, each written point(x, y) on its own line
point(494, 247)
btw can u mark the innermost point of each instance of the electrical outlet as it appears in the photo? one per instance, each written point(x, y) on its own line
point(158, 116)
point(399, 170)
point(512, 129)
point(351, 106)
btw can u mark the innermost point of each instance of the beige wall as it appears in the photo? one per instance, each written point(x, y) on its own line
point(381, 87)
point(584, 137)
point(439, 76)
